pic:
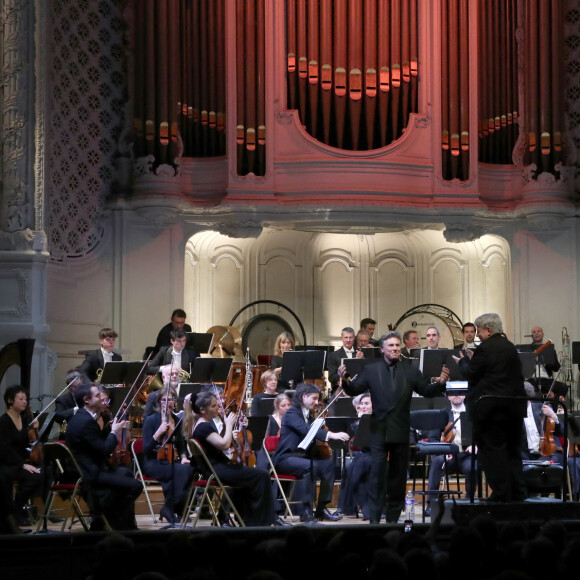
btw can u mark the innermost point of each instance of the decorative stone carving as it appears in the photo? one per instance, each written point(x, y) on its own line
point(460, 232)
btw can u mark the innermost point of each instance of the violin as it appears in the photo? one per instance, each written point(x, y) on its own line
point(244, 438)
point(449, 432)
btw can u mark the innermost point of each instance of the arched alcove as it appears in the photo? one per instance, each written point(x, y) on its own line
point(334, 280)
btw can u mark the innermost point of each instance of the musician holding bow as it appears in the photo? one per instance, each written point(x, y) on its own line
point(291, 460)
point(166, 461)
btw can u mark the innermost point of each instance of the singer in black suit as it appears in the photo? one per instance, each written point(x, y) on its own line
point(111, 492)
point(95, 359)
point(391, 383)
point(168, 354)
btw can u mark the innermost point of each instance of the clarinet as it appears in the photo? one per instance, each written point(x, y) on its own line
point(249, 383)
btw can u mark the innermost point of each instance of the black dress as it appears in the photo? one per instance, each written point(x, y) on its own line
point(13, 456)
point(174, 477)
point(254, 498)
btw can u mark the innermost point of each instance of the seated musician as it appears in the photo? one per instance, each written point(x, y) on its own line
point(291, 460)
point(253, 498)
point(95, 360)
point(460, 463)
point(111, 491)
point(168, 464)
point(169, 375)
point(354, 485)
point(547, 364)
point(176, 354)
point(284, 343)
point(281, 404)
point(65, 405)
point(268, 382)
point(534, 424)
point(15, 462)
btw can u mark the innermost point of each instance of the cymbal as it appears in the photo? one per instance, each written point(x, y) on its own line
point(223, 343)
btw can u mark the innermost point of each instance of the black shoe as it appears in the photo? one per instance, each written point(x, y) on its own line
point(167, 514)
point(428, 511)
point(327, 516)
point(307, 515)
point(281, 523)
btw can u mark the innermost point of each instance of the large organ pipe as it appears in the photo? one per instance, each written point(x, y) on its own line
point(260, 88)
point(313, 64)
point(384, 69)
point(302, 63)
point(340, 68)
point(240, 77)
point(464, 88)
point(395, 63)
point(326, 71)
point(250, 92)
point(355, 66)
point(370, 68)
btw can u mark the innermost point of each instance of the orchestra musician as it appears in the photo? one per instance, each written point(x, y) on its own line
point(347, 350)
point(291, 460)
point(175, 473)
point(391, 383)
point(282, 403)
point(284, 342)
point(411, 341)
point(494, 368)
point(111, 492)
point(354, 493)
point(65, 405)
point(363, 338)
point(178, 317)
point(268, 382)
point(369, 325)
point(176, 354)
point(253, 494)
point(95, 360)
point(14, 450)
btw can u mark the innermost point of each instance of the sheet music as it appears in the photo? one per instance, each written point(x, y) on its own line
point(305, 443)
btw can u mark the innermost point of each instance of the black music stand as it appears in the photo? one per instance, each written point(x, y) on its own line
point(343, 407)
point(354, 366)
point(258, 425)
point(210, 370)
point(121, 372)
point(455, 373)
point(199, 341)
point(325, 348)
point(372, 352)
point(117, 397)
point(192, 389)
point(267, 405)
point(298, 365)
point(432, 361)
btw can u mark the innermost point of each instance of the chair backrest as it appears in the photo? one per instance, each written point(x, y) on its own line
point(264, 359)
point(59, 454)
point(137, 445)
point(429, 419)
point(271, 442)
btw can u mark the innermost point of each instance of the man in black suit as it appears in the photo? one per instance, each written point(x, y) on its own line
point(494, 368)
point(176, 353)
point(291, 460)
point(110, 492)
point(411, 340)
point(65, 406)
point(369, 325)
point(178, 317)
point(96, 360)
point(391, 383)
point(347, 350)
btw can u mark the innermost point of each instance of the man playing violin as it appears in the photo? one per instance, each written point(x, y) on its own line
point(391, 383)
point(111, 492)
point(291, 460)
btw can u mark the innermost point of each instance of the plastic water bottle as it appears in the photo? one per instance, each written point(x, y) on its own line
point(410, 506)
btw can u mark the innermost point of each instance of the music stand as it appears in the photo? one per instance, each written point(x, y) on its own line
point(455, 373)
point(258, 425)
point(528, 360)
point(211, 370)
point(116, 398)
point(363, 433)
point(314, 364)
point(192, 389)
point(266, 406)
point(372, 352)
point(199, 341)
point(343, 407)
point(298, 365)
point(432, 361)
point(354, 366)
point(325, 348)
point(121, 372)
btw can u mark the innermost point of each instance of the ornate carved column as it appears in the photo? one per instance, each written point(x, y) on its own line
point(23, 257)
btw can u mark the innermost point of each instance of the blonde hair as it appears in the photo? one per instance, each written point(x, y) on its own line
point(281, 337)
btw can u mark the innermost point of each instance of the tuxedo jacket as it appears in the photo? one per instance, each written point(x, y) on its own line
point(391, 398)
point(90, 445)
point(494, 369)
point(64, 407)
point(94, 361)
point(294, 429)
point(163, 357)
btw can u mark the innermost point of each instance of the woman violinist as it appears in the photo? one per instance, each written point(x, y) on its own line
point(15, 450)
point(167, 461)
point(253, 498)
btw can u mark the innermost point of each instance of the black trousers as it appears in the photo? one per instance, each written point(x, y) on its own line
point(175, 479)
point(388, 478)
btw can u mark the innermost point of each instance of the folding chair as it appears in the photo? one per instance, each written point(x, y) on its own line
point(67, 482)
point(433, 420)
point(137, 453)
point(211, 489)
point(269, 445)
